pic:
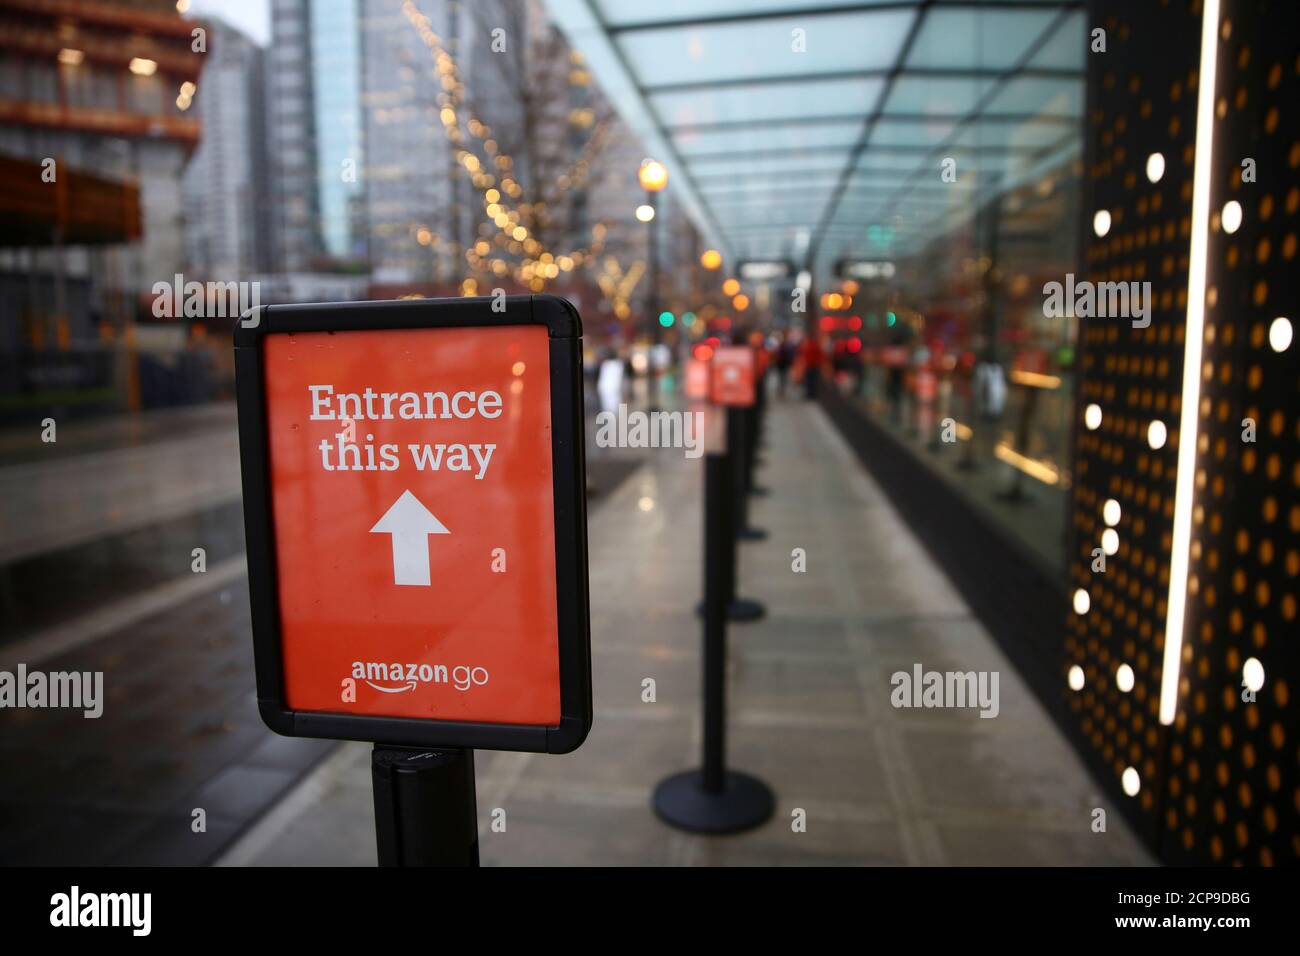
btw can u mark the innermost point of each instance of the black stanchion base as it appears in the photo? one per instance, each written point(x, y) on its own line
point(744, 803)
point(752, 534)
point(739, 610)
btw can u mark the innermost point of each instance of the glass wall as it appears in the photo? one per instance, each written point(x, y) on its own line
point(959, 342)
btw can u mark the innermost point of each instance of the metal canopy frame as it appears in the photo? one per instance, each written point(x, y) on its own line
point(834, 185)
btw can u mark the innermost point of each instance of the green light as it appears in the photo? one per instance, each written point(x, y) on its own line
point(688, 319)
point(666, 319)
point(890, 318)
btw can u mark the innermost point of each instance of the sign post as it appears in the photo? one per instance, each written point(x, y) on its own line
point(425, 807)
point(733, 388)
point(733, 376)
point(413, 480)
point(735, 385)
point(697, 380)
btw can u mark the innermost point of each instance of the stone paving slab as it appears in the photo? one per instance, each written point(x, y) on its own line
point(809, 693)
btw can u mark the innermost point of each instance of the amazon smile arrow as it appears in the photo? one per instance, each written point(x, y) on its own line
point(410, 523)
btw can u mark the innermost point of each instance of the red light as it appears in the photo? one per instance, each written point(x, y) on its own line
point(855, 322)
point(703, 353)
point(713, 340)
point(828, 323)
point(855, 345)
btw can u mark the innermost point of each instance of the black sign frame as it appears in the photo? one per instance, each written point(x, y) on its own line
point(568, 466)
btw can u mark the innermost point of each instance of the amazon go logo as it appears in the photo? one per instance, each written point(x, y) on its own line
point(399, 678)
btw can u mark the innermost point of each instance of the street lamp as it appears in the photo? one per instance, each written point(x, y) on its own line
point(653, 176)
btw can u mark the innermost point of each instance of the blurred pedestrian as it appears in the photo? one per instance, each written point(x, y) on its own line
point(813, 355)
point(784, 359)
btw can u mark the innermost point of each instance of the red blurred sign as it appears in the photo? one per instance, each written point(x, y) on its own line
point(697, 379)
point(733, 375)
point(894, 356)
point(927, 385)
point(414, 495)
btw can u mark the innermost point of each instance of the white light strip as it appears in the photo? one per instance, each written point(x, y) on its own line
point(1184, 488)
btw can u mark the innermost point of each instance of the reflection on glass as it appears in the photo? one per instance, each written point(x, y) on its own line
point(968, 192)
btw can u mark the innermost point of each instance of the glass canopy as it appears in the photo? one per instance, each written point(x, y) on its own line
point(809, 130)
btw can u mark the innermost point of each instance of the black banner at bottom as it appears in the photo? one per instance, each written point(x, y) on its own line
point(336, 906)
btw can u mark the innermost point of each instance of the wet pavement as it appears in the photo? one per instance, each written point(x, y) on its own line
point(809, 707)
point(107, 584)
point(810, 702)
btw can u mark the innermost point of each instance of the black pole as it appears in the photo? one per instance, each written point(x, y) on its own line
point(754, 425)
point(713, 799)
point(738, 608)
point(426, 811)
point(739, 446)
point(759, 429)
point(652, 303)
point(652, 268)
point(719, 587)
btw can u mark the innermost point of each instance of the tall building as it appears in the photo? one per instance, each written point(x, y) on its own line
point(336, 93)
point(225, 186)
point(463, 100)
point(95, 132)
point(447, 102)
point(291, 138)
point(314, 133)
point(409, 165)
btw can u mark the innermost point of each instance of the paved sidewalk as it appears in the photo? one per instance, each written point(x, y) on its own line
point(67, 499)
point(98, 545)
point(23, 442)
point(809, 702)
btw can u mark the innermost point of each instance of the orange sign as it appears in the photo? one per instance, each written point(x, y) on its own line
point(927, 385)
point(733, 375)
point(697, 379)
point(412, 509)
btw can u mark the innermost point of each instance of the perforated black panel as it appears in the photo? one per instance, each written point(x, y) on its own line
point(1220, 784)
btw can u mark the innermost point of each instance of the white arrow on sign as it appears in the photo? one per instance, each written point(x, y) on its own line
point(410, 523)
